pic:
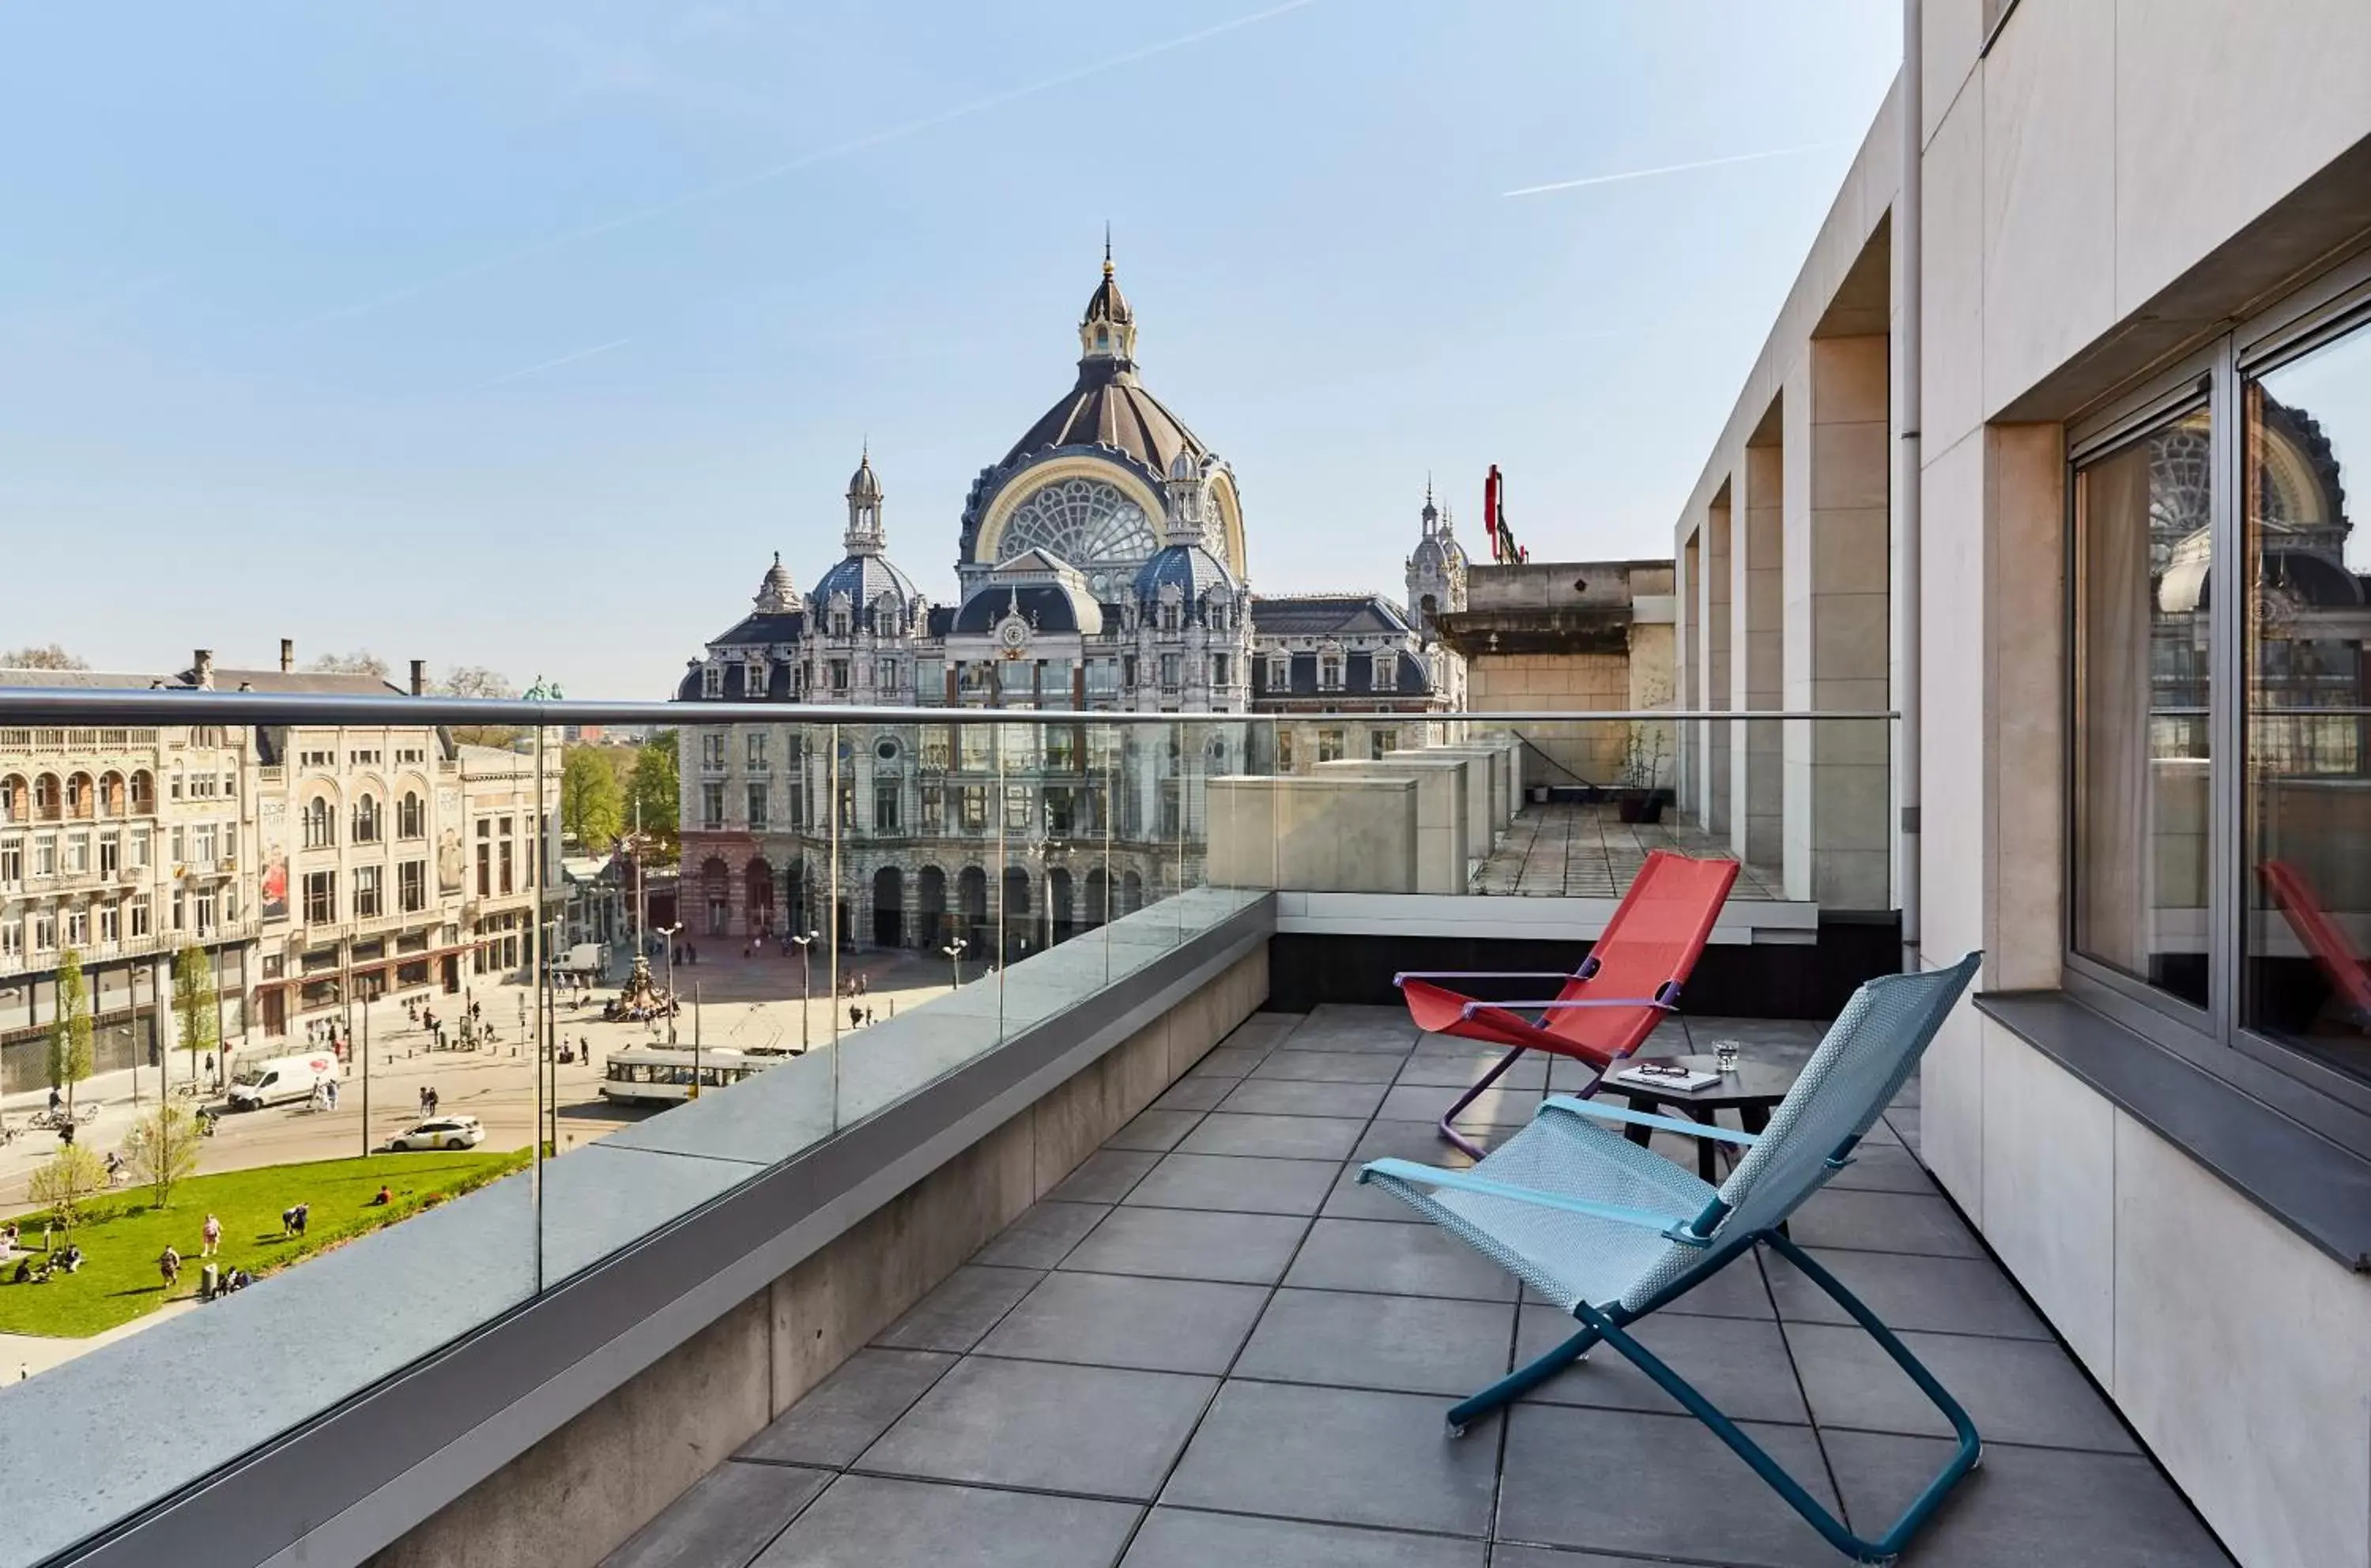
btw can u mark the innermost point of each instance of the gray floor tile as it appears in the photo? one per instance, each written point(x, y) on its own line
point(2026, 1506)
point(1297, 1097)
point(962, 1308)
point(1229, 1061)
point(1248, 1248)
point(1655, 1484)
point(1350, 1200)
point(1104, 1176)
point(1156, 1130)
point(1883, 1222)
point(1547, 1557)
point(1951, 1295)
point(1160, 1325)
point(1045, 1231)
point(1182, 1537)
point(883, 1523)
point(724, 1521)
point(1414, 1344)
point(1739, 1364)
point(1396, 1259)
point(1328, 1066)
point(1735, 1291)
point(1196, 1094)
point(2014, 1391)
point(1236, 1183)
point(839, 1418)
point(1373, 1029)
point(1338, 1456)
point(1279, 1138)
point(1453, 1070)
point(1423, 1103)
point(1418, 1141)
point(1042, 1425)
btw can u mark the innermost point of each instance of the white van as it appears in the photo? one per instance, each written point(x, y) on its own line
point(275, 1080)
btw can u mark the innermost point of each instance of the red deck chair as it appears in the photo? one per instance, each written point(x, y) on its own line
point(2322, 936)
point(1607, 1007)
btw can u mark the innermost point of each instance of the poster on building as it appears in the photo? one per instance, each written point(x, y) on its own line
point(271, 833)
point(451, 863)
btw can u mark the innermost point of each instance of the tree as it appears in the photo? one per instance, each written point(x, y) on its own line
point(72, 1174)
point(70, 1060)
point(54, 657)
point(655, 795)
point(194, 1003)
point(592, 806)
point(162, 1148)
point(361, 662)
point(477, 682)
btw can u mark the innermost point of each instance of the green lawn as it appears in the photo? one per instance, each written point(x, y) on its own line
point(121, 1235)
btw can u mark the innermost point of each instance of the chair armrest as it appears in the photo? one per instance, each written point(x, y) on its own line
point(1642, 1119)
point(1471, 1008)
point(1467, 1181)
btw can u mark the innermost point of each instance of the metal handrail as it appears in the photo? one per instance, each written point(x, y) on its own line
point(39, 705)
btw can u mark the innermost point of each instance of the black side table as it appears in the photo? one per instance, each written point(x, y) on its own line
point(1750, 1089)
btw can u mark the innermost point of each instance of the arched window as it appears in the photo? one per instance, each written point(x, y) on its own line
point(366, 824)
point(110, 794)
point(409, 820)
point(49, 797)
point(82, 797)
point(320, 824)
point(16, 799)
point(143, 793)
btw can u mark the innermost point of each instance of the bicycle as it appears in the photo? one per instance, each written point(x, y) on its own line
point(49, 1121)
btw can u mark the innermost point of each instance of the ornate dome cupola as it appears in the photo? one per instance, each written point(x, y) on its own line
point(865, 576)
point(1436, 570)
point(1185, 558)
point(1107, 330)
point(777, 594)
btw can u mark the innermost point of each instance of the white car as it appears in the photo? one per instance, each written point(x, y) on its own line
point(439, 1131)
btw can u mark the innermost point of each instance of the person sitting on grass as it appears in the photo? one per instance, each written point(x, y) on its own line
point(384, 1198)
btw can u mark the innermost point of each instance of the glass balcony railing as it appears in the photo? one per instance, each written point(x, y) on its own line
point(494, 1030)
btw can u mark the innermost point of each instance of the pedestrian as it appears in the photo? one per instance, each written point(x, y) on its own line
point(168, 1263)
point(209, 1235)
point(855, 1015)
point(331, 1088)
point(287, 1222)
point(210, 1063)
point(57, 1101)
point(303, 1213)
point(423, 1099)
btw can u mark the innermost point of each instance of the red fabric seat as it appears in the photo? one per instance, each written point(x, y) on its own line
point(1607, 1007)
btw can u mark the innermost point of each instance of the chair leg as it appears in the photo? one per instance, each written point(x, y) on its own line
point(1885, 1547)
point(1450, 1133)
point(1521, 1381)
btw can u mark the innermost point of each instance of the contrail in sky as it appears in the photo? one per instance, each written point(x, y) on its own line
point(804, 161)
point(553, 363)
point(1666, 168)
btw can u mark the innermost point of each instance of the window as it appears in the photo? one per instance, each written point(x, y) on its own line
point(366, 819)
point(1020, 813)
point(712, 805)
point(140, 918)
point(77, 854)
point(1127, 671)
point(411, 820)
point(886, 802)
point(756, 808)
point(1329, 745)
point(45, 855)
point(411, 886)
point(366, 890)
point(756, 744)
point(1103, 676)
point(975, 808)
point(317, 759)
point(2142, 752)
point(1329, 671)
point(1169, 672)
point(936, 746)
point(12, 862)
point(320, 824)
point(45, 931)
point(848, 805)
point(110, 925)
point(1382, 741)
point(1387, 672)
point(884, 674)
point(711, 681)
point(2304, 895)
point(840, 674)
point(1169, 619)
point(711, 749)
point(1283, 750)
point(977, 748)
point(139, 861)
point(1218, 669)
point(77, 927)
point(12, 942)
point(320, 897)
point(508, 851)
point(935, 809)
point(205, 844)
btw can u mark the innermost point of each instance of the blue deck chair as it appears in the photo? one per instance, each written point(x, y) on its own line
point(1611, 1232)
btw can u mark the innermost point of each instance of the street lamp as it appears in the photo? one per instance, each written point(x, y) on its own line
point(955, 951)
point(668, 932)
point(806, 983)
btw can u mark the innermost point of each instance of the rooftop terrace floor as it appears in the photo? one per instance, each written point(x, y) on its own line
point(1210, 1346)
point(1588, 851)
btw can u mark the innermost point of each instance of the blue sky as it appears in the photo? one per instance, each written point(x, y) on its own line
point(523, 335)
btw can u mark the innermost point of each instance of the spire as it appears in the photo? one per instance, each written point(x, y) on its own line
point(1107, 329)
point(1431, 512)
point(864, 498)
point(1108, 260)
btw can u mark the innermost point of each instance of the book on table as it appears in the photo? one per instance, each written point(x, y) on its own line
point(1672, 1079)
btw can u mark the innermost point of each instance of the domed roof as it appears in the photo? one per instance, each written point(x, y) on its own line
point(864, 484)
point(1107, 302)
point(864, 578)
point(1108, 408)
point(1190, 567)
point(778, 591)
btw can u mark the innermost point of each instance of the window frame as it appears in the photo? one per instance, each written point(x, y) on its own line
point(2215, 1038)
